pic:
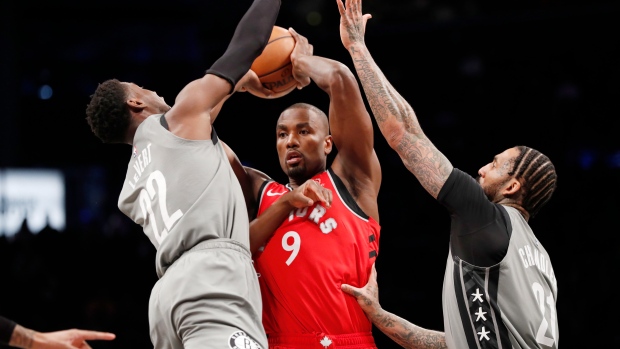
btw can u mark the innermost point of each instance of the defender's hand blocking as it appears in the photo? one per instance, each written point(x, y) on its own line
point(251, 83)
point(352, 22)
point(310, 192)
point(367, 296)
point(302, 48)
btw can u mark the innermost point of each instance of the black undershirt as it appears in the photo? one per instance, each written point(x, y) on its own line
point(480, 230)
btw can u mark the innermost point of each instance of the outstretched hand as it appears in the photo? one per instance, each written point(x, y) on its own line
point(68, 339)
point(310, 192)
point(250, 83)
point(367, 296)
point(302, 48)
point(352, 22)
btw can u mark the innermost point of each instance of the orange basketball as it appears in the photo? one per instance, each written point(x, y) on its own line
point(273, 66)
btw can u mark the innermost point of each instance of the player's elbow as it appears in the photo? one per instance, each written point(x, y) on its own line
point(394, 135)
point(340, 77)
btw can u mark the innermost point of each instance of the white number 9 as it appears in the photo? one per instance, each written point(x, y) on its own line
point(291, 247)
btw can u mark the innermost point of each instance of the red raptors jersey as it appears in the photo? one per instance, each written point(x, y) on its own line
point(309, 256)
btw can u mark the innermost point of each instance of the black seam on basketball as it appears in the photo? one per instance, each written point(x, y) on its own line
point(281, 37)
point(275, 70)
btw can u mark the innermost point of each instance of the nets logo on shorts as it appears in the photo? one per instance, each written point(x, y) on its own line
point(240, 340)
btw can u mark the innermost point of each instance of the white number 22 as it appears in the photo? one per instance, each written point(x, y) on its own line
point(147, 195)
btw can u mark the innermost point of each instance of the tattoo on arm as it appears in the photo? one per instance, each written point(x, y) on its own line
point(400, 126)
point(408, 335)
point(427, 163)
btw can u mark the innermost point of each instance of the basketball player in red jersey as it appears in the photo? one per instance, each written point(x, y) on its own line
point(321, 229)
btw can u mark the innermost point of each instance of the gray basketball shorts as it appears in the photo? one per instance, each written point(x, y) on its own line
point(209, 298)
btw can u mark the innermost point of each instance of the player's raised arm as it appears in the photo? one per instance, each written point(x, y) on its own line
point(349, 122)
point(191, 114)
point(394, 115)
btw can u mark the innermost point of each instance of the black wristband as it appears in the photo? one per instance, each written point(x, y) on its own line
point(6, 330)
point(250, 38)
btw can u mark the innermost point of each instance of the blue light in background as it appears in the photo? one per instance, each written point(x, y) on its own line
point(586, 158)
point(613, 160)
point(45, 92)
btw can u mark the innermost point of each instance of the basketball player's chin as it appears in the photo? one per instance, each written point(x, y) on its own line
point(296, 171)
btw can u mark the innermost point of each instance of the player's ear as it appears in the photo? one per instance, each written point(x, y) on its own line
point(329, 143)
point(135, 105)
point(512, 187)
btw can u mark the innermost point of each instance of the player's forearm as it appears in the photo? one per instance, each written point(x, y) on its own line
point(394, 115)
point(250, 38)
point(399, 124)
point(407, 334)
point(263, 226)
point(22, 337)
point(329, 75)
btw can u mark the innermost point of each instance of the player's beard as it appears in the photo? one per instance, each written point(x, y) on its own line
point(297, 172)
point(491, 190)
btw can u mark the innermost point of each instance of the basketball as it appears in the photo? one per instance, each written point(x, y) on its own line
point(273, 66)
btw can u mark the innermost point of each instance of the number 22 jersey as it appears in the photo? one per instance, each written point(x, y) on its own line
point(182, 192)
point(313, 252)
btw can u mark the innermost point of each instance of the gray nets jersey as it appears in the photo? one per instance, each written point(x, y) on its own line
point(181, 192)
point(508, 305)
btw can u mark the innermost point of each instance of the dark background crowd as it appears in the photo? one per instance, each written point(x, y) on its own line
point(482, 76)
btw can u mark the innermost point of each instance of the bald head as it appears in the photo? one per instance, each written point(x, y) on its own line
point(315, 115)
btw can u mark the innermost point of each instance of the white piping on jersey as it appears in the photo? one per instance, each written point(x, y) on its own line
point(491, 309)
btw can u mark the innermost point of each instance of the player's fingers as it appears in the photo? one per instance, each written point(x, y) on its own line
point(327, 197)
point(94, 335)
point(365, 19)
point(373, 272)
point(304, 195)
point(353, 291)
point(294, 34)
point(259, 90)
point(356, 6)
point(303, 82)
point(340, 7)
point(298, 37)
point(322, 197)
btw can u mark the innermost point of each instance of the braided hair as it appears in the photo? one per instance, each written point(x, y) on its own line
point(538, 178)
point(107, 114)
